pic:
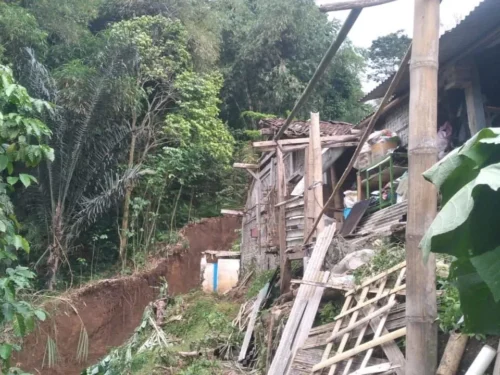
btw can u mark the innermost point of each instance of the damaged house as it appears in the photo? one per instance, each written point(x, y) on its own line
point(290, 182)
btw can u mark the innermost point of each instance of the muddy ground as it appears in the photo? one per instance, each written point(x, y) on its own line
point(110, 310)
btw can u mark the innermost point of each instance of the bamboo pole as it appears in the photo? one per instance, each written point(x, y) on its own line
point(361, 335)
point(421, 307)
point(351, 4)
point(388, 95)
point(351, 353)
point(285, 265)
point(373, 300)
point(453, 354)
point(320, 70)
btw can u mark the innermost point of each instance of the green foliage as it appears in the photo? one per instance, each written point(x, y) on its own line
point(201, 367)
point(449, 309)
point(65, 21)
point(258, 282)
point(195, 122)
point(21, 138)
point(270, 50)
point(197, 322)
point(19, 29)
point(387, 255)
point(468, 179)
point(327, 313)
point(386, 53)
point(160, 43)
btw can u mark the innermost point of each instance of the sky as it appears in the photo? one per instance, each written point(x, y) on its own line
point(385, 19)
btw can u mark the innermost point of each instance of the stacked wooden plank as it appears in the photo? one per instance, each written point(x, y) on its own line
point(304, 308)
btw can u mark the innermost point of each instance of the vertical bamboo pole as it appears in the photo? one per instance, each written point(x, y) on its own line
point(318, 170)
point(285, 266)
point(313, 193)
point(421, 311)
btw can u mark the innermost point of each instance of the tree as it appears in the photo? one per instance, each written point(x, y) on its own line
point(88, 126)
point(269, 52)
point(19, 30)
point(161, 45)
point(22, 140)
point(386, 53)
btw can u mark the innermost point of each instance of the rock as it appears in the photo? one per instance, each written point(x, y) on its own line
point(353, 261)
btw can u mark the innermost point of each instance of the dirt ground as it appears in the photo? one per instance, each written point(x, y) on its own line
point(110, 310)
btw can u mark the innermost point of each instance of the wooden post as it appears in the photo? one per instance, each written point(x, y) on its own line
point(337, 198)
point(258, 207)
point(421, 310)
point(313, 189)
point(285, 266)
point(474, 102)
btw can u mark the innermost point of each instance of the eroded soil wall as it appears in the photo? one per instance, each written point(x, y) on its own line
point(110, 310)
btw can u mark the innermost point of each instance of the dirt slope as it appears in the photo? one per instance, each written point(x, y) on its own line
point(111, 309)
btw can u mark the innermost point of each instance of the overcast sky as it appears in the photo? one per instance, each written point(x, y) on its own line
point(384, 19)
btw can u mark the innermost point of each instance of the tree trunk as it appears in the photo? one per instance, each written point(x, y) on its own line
point(55, 249)
point(421, 311)
point(126, 201)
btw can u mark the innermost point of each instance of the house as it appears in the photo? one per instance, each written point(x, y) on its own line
point(469, 94)
point(260, 246)
point(469, 100)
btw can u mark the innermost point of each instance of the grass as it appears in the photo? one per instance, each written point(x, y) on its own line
point(201, 322)
point(258, 282)
point(205, 318)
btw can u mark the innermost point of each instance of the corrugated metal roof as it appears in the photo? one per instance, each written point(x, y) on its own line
point(479, 23)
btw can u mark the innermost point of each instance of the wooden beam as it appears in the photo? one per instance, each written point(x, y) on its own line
point(394, 103)
point(245, 166)
point(360, 322)
point(303, 141)
point(327, 145)
point(351, 4)
point(388, 95)
point(232, 212)
point(320, 70)
point(474, 102)
point(421, 306)
point(285, 265)
point(359, 349)
point(373, 300)
point(288, 338)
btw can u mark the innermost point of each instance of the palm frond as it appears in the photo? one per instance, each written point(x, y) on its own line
point(112, 191)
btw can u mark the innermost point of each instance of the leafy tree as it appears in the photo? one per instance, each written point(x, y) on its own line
point(197, 17)
point(22, 137)
point(386, 53)
point(467, 226)
point(161, 46)
point(269, 52)
point(18, 30)
point(88, 126)
point(65, 21)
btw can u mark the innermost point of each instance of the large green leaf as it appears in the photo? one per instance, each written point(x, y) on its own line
point(487, 266)
point(5, 351)
point(481, 311)
point(450, 231)
point(463, 164)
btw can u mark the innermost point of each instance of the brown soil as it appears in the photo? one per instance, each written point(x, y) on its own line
point(110, 310)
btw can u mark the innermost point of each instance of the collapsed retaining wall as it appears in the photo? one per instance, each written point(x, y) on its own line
point(110, 310)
